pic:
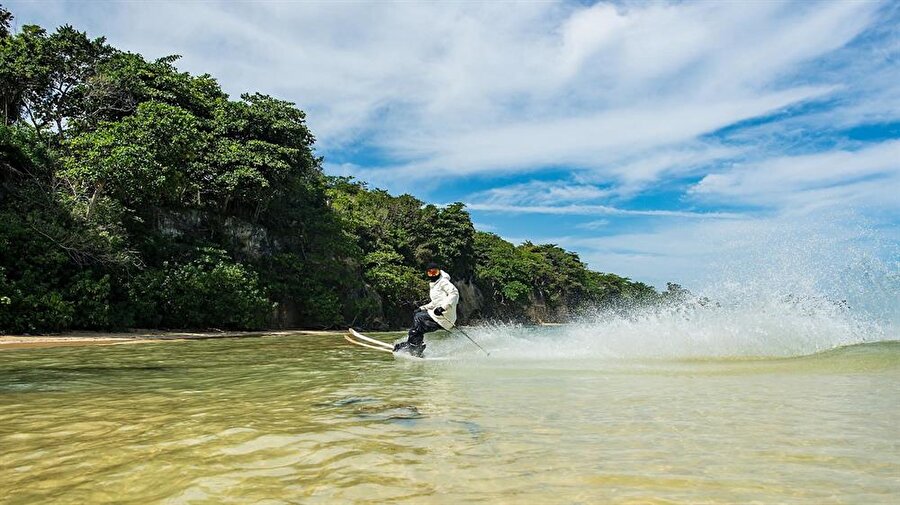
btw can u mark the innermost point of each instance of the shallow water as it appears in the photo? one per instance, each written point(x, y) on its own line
point(315, 420)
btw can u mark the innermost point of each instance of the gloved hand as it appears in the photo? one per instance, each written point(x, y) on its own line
point(439, 311)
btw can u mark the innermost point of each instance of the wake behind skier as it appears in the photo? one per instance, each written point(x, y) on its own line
point(439, 313)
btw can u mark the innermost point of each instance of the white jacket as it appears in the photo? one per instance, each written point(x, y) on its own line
point(443, 294)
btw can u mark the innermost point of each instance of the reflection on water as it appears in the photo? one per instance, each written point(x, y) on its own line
point(314, 420)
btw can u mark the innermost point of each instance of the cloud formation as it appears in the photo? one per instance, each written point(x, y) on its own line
point(670, 115)
point(813, 179)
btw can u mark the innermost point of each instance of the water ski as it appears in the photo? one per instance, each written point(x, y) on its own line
point(357, 338)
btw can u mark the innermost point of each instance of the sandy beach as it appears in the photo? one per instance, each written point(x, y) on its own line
point(8, 342)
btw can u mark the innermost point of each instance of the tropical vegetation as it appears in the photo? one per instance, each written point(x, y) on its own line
point(136, 195)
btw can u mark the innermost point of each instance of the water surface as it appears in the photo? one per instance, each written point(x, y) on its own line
point(314, 420)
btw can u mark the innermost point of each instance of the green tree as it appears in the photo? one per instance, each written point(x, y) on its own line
point(44, 76)
point(507, 273)
point(448, 238)
point(148, 158)
point(6, 18)
point(398, 284)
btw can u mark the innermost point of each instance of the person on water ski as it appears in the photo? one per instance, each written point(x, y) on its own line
point(439, 313)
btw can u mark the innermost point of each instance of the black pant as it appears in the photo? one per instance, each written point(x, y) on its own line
point(422, 324)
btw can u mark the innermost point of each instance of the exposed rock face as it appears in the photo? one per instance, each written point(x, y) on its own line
point(177, 224)
point(539, 311)
point(369, 298)
point(471, 302)
point(475, 306)
point(286, 315)
point(252, 239)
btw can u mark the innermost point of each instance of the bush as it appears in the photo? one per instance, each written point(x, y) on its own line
point(90, 298)
point(36, 312)
point(209, 292)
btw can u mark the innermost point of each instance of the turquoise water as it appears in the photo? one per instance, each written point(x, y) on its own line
point(315, 420)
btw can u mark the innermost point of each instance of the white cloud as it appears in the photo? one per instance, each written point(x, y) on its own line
point(821, 206)
point(481, 226)
point(579, 186)
point(472, 88)
point(594, 225)
point(838, 177)
point(595, 210)
point(341, 169)
point(790, 249)
point(540, 193)
point(637, 172)
point(680, 250)
point(591, 141)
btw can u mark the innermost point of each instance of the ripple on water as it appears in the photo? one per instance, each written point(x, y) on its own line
point(313, 421)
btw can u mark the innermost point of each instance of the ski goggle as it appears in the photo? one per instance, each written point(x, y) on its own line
point(433, 272)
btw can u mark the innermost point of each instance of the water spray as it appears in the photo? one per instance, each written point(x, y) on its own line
point(470, 338)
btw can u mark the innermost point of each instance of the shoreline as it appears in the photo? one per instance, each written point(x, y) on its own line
point(75, 338)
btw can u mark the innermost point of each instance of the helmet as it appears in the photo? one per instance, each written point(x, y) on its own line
point(432, 271)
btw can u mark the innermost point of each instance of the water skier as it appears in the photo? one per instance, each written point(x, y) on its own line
point(439, 313)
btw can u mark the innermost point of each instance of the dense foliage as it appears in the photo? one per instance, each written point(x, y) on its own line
point(132, 194)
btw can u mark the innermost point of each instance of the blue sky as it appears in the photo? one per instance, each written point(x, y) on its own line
point(650, 137)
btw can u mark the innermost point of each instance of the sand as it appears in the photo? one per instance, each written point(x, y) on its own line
point(137, 337)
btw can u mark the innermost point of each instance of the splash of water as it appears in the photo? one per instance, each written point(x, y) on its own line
point(793, 288)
